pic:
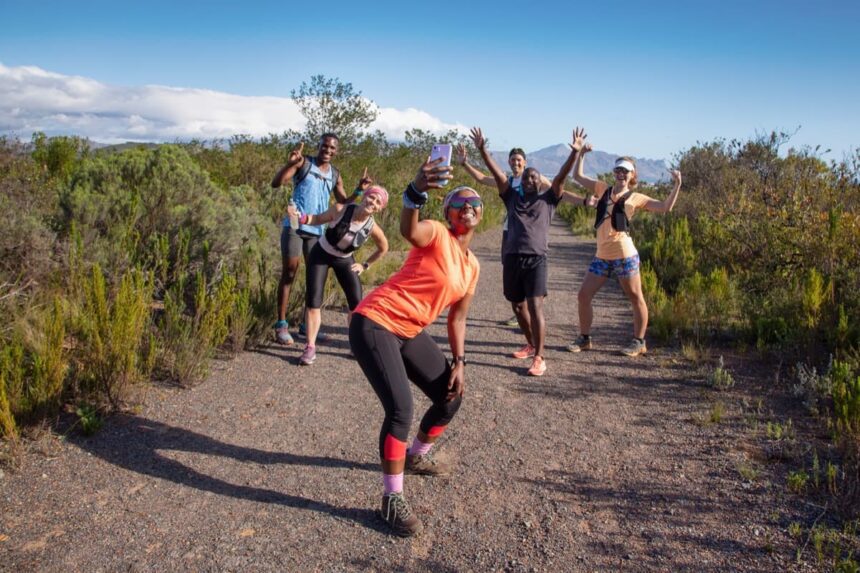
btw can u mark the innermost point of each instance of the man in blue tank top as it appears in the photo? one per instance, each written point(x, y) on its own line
point(314, 179)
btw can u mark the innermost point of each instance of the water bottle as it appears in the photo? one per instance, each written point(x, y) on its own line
point(294, 219)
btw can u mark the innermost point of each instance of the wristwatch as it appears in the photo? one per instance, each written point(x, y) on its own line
point(457, 359)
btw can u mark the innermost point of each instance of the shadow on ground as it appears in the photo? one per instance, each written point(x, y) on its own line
point(136, 443)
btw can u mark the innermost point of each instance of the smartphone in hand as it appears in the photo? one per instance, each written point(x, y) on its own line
point(442, 150)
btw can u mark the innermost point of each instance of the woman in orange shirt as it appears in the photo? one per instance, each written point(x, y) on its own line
point(388, 339)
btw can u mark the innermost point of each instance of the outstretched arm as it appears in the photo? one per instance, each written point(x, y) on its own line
point(498, 174)
point(432, 175)
point(666, 205)
point(575, 149)
point(457, 341)
point(463, 160)
point(595, 186)
point(363, 185)
point(339, 193)
point(294, 161)
point(326, 216)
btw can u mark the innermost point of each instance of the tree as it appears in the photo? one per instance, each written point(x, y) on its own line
point(330, 105)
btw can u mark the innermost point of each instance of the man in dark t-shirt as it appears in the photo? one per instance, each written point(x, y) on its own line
point(526, 246)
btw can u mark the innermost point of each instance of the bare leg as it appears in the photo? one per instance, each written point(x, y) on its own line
point(314, 318)
point(538, 323)
point(632, 287)
point(521, 310)
point(590, 285)
point(289, 269)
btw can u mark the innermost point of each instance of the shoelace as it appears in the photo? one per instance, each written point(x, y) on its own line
point(400, 507)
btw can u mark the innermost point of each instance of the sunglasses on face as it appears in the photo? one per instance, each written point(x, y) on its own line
point(621, 170)
point(459, 202)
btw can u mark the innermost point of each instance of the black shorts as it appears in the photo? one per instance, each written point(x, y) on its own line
point(524, 276)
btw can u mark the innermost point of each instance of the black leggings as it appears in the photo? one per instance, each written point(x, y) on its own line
point(390, 362)
point(318, 264)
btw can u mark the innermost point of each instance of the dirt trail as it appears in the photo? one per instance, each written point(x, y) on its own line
point(600, 465)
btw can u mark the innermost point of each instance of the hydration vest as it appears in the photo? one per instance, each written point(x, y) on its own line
point(618, 217)
point(335, 233)
point(305, 169)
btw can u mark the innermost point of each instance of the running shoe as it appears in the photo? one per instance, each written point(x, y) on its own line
point(538, 367)
point(282, 333)
point(580, 344)
point(635, 348)
point(512, 321)
point(526, 351)
point(397, 513)
point(426, 465)
point(308, 356)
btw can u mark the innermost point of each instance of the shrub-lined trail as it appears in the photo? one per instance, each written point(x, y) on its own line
point(605, 463)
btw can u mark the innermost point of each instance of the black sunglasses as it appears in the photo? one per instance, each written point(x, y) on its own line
point(458, 202)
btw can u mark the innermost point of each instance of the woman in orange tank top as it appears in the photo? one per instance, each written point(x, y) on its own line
point(388, 339)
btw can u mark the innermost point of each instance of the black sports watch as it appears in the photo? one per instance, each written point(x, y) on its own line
point(457, 359)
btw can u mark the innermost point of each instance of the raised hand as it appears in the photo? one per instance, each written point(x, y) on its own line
point(592, 201)
point(365, 182)
point(295, 155)
point(461, 154)
point(676, 176)
point(579, 136)
point(432, 175)
point(478, 138)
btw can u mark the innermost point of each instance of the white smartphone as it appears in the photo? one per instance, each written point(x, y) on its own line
point(442, 150)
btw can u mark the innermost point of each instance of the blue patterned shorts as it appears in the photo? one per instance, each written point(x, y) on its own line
point(621, 268)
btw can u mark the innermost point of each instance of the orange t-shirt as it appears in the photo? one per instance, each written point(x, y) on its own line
point(432, 278)
point(612, 244)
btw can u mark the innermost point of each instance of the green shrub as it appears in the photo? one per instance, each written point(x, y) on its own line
point(190, 336)
point(49, 360)
point(113, 331)
point(88, 418)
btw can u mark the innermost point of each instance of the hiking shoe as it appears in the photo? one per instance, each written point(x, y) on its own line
point(526, 351)
point(397, 514)
point(581, 343)
point(538, 367)
point(282, 333)
point(426, 465)
point(308, 356)
point(635, 348)
point(512, 321)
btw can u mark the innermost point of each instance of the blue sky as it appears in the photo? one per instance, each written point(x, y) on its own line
point(647, 79)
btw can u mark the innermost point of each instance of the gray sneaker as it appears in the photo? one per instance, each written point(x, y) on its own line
point(580, 344)
point(398, 515)
point(426, 465)
point(512, 322)
point(282, 333)
point(635, 348)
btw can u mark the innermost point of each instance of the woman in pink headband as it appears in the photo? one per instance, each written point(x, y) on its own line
point(616, 253)
point(349, 227)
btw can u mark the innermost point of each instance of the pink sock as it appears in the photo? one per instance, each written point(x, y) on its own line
point(392, 483)
point(419, 448)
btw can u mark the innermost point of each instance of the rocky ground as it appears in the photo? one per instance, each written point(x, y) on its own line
point(606, 463)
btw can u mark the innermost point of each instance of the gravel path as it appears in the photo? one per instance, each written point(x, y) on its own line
point(603, 464)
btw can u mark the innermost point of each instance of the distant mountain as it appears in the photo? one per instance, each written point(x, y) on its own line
point(550, 159)
point(119, 147)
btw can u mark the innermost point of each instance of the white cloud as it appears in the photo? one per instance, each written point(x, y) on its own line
point(33, 99)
